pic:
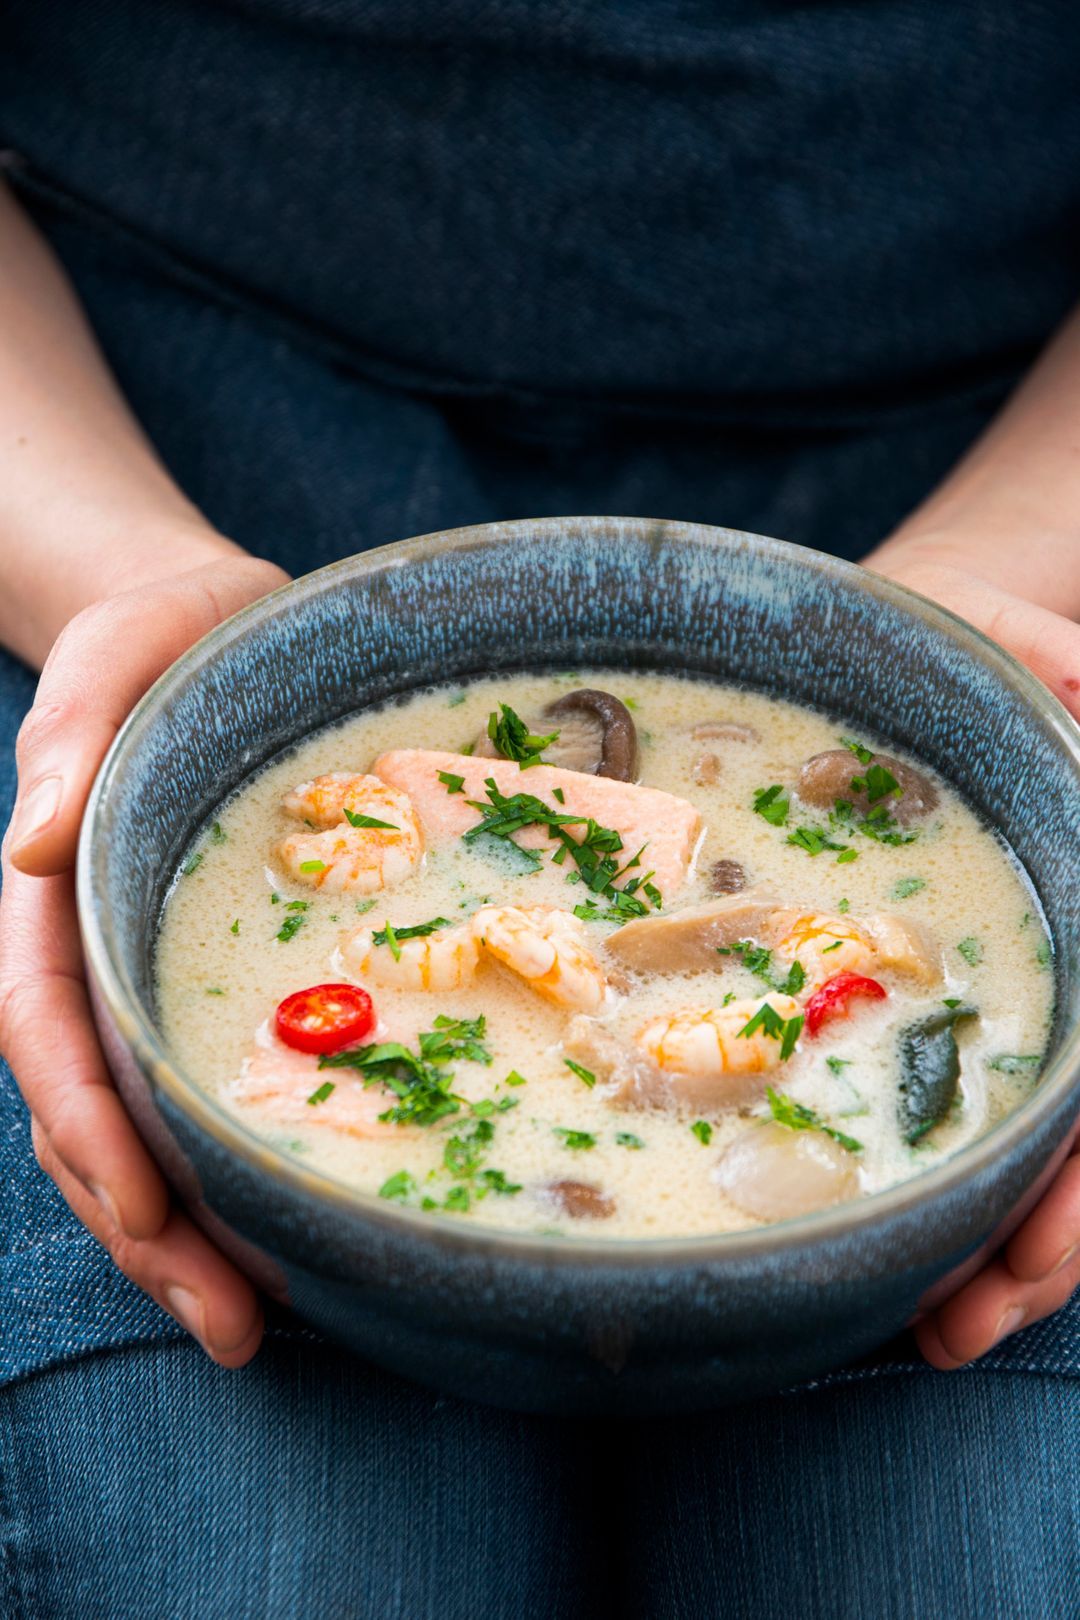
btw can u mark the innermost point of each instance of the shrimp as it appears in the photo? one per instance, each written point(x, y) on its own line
point(279, 1081)
point(705, 1046)
point(825, 945)
point(546, 948)
point(336, 855)
point(443, 960)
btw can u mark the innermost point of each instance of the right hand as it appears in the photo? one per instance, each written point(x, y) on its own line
point(100, 665)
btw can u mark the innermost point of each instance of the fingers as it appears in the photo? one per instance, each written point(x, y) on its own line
point(1037, 1273)
point(99, 668)
point(1049, 1240)
point(48, 1038)
point(1046, 642)
point(180, 1269)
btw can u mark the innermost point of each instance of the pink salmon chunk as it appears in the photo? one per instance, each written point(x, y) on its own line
point(667, 825)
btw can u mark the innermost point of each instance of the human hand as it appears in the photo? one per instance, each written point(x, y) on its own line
point(1039, 1269)
point(100, 665)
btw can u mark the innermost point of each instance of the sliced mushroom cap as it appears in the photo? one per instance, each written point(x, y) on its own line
point(727, 877)
point(614, 746)
point(827, 777)
point(774, 1173)
point(681, 941)
point(724, 731)
point(581, 1200)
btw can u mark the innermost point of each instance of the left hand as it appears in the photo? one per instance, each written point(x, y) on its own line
point(1039, 1268)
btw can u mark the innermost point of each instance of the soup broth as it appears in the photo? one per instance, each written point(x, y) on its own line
point(771, 971)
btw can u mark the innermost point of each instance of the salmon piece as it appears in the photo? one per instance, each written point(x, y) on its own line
point(277, 1080)
point(640, 815)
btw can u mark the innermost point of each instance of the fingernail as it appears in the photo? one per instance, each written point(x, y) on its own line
point(108, 1203)
point(1066, 1259)
point(188, 1309)
point(35, 810)
point(1013, 1318)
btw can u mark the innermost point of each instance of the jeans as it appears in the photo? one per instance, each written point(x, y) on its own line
point(150, 1485)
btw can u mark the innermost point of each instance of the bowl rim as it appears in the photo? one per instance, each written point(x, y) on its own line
point(474, 1237)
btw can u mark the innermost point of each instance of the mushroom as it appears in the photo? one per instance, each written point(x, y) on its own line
point(598, 730)
point(629, 1076)
point(724, 731)
point(774, 1173)
point(706, 769)
point(680, 941)
point(727, 877)
point(581, 1200)
point(597, 735)
point(828, 776)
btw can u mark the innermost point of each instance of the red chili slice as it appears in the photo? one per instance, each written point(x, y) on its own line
point(833, 998)
point(325, 1018)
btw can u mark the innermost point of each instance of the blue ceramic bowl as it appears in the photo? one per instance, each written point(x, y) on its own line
point(583, 1324)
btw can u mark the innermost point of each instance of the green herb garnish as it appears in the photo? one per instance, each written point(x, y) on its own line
point(193, 863)
point(971, 950)
point(583, 1074)
point(321, 1093)
point(627, 1139)
point(515, 1079)
point(399, 1187)
point(797, 1117)
point(577, 1141)
point(904, 888)
point(235, 929)
point(773, 804)
point(1014, 1063)
point(313, 866)
point(451, 781)
point(769, 1021)
point(863, 754)
point(354, 819)
point(703, 1131)
point(391, 936)
point(514, 740)
point(290, 926)
point(758, 960)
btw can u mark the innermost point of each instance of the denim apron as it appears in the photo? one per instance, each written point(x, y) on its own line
point(370, 268)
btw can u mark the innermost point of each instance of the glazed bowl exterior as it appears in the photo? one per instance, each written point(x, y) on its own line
point(580, 1324)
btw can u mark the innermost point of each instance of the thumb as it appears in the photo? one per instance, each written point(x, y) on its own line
point(101, 664)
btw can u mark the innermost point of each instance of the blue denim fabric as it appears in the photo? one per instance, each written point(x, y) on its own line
point(150, 1485)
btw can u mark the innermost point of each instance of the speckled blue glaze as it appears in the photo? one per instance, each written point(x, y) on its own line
point(584, 1324)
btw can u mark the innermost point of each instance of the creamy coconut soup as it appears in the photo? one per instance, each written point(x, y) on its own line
point(618, 953)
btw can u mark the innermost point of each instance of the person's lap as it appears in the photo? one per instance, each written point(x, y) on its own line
point(144, 1484)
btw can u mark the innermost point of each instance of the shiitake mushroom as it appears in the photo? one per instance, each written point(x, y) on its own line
point(597, 735)
point(581, 1200)
point(827, 777)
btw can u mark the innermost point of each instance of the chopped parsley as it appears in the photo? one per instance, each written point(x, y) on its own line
point(838, 1064)
point(843, 906)
point(847, 856)
point(813, 840)
point(215, 990)
point(1014, 1063)
point(594, 853)
point(456, 701)
point(583, 1074)
point(355, 819)
point(364, 906)
point(1042, 954)
point(577, 1141)
point(193, 863)
point(971, 950)
point(218, 835)
point(515, 1079)
point(797, 1117)
point(863, 754)
point(320, 1094)
point(398, 1187)
point(878, 783)
point(773, 804)
point(557, 793)
point(419, 1081)
point(235, 929)
point(758, 960)
point(391, 936)
point(290, 927)
point(627, 1139)
point(703, 1131)
point(769, 1021)
point(298, 905)
point(451, 781)
point(904, 888)
point(514, 740)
